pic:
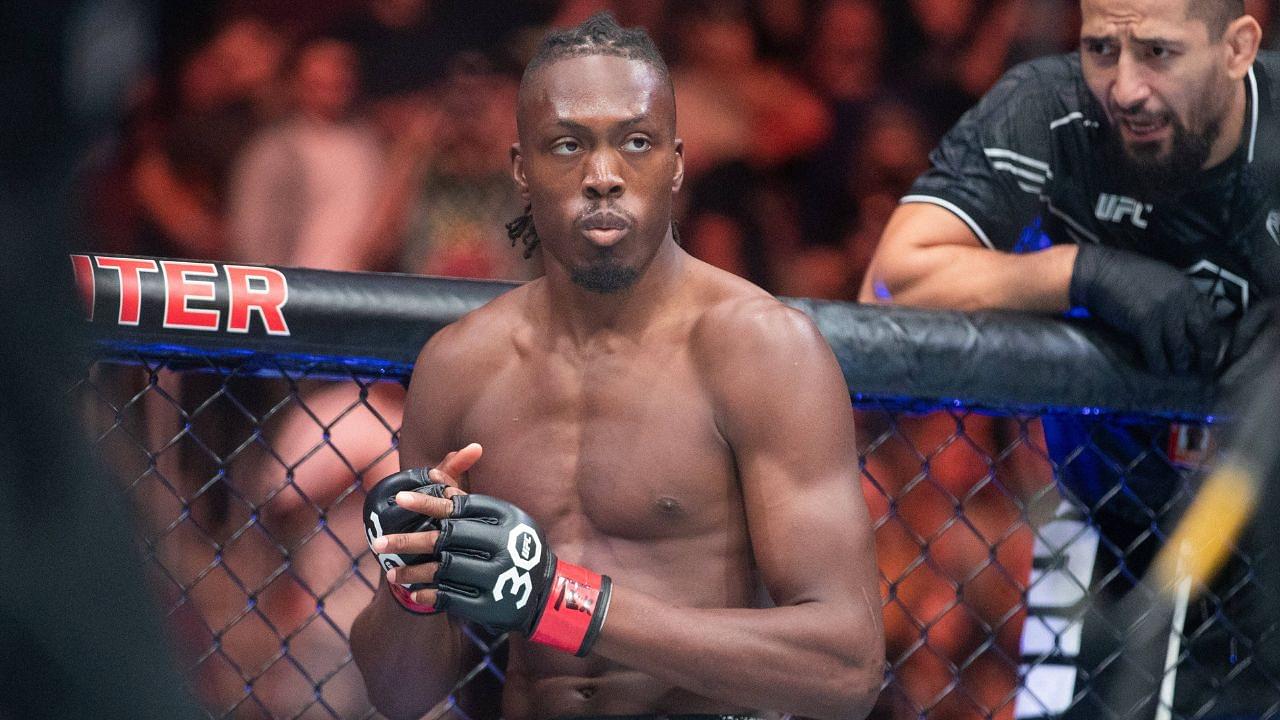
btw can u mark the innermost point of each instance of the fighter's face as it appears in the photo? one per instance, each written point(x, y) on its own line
point(1163, 80)
point(598, 161)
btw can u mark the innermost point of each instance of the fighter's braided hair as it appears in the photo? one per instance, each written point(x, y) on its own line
point(599, 34)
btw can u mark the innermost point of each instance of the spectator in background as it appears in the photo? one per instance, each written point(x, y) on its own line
point(1041, 27)
point(406, 47)
point(893, 151)
point(747, 120)
point(403, 48)
point(162, 189)
point(846, 64)
point(740, 107)
point(465, 195)
point(304, 190)
point(958, 49)
point(782, 27)
point(446, 190)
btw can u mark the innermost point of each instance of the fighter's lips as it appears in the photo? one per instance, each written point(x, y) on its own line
point(1143, 129)
point(604, 237)
point(605, 230)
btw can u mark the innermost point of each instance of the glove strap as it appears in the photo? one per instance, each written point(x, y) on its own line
point(574, 611)
point(402, 596)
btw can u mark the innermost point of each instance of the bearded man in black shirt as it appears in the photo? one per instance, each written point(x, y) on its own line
point(1134, 180)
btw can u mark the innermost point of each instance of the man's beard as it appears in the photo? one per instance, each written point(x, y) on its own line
point(604, 276)
point(1144, 170)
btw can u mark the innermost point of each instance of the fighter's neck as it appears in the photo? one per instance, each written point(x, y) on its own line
point(586, 316)
point(1232, 134)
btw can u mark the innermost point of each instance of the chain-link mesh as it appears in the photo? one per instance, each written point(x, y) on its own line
point(1002, 596)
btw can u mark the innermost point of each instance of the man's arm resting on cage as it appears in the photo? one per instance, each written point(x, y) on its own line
point(929, 257)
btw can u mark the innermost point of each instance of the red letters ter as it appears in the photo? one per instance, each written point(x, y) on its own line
point(250, 290)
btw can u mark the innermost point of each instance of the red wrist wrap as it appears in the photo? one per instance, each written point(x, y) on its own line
point(575, 609)
point(402, 596)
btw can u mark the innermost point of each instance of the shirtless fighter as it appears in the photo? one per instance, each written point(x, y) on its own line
point(666, 513)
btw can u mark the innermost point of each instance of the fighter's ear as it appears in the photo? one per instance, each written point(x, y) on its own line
point(1242, 39)
point(677, 180)
point(517, 171)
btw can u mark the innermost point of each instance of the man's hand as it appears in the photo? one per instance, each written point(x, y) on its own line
point(1255, 344)
point(1262, 319)
point(383, 516)
point(1152, 302)
point(493, 566)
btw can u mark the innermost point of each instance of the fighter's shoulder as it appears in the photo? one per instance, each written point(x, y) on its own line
point(479, 338)
point(742, 324)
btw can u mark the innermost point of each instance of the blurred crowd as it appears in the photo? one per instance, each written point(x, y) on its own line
point(373, 135)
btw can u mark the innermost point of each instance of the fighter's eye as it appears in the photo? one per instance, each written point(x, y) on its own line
point(637, 144)
point(1160, 52)
point(565, 147)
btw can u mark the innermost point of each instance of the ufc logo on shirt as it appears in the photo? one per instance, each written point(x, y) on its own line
point(1114, 208)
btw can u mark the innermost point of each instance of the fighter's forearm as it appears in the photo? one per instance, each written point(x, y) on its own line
point(972, 278)
point(811, 659)
point(409, 662)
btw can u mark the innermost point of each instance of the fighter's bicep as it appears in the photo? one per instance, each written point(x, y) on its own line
point(791, 428)
point(431, 406)
point(811, 539)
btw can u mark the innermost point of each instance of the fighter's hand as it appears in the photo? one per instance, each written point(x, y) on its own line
point(494, 567)
point(452, 470)
point(401, 536)
point(1152, 302)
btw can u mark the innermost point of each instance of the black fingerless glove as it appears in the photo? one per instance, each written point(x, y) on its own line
point(1153, 303)
point(383, 517)
point(1261, 319)
point(496, 569)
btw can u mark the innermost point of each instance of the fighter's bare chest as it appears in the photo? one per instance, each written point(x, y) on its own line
point(625, 447)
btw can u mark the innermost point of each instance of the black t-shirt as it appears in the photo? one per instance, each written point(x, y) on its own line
point(1029, 165)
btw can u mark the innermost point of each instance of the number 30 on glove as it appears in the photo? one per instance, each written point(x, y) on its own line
point(496, 570)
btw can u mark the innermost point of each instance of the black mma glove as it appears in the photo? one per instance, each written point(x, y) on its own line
point(1151, 302)
point(1262, 318)
point(497, 570)
point(383, 517)
point(1255, 345)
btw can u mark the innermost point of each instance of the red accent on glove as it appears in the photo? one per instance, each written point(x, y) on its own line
point(403, 596)
point(571, 604)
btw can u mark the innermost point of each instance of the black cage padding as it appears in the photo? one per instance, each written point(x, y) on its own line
point(378, 322)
